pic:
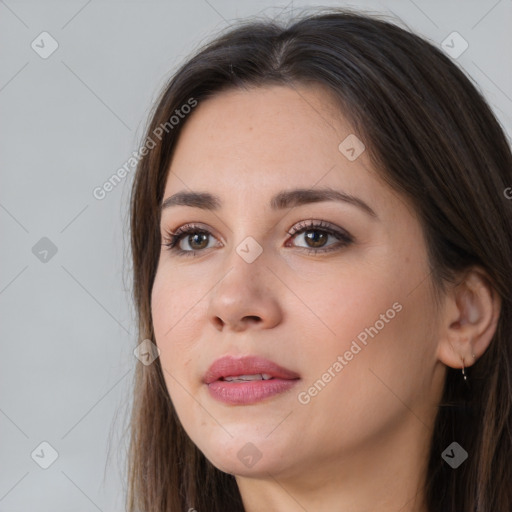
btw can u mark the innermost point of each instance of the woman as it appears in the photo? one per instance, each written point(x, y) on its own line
point(322, 250)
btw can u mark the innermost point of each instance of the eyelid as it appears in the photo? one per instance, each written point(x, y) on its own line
point(320, 225)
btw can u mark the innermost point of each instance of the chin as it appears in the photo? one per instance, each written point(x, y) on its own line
point(235, 467)
point(241, 457)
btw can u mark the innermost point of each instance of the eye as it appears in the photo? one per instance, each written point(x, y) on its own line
point(190, 234)
point(317, 235)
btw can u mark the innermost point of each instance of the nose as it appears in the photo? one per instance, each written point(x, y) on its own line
point(247, 296)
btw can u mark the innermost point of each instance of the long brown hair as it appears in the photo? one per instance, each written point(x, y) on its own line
point(433, 138)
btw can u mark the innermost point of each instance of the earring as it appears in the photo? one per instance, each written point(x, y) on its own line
point(463, 368)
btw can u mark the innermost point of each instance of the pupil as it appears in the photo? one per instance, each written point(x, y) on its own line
point(314, 238)
point(195, 237)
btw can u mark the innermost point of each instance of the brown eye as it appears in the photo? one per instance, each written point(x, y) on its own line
point(197, 241)
point(188, 240)
point(316, 236)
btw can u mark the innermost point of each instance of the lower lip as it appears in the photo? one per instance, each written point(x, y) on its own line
point(250, 392)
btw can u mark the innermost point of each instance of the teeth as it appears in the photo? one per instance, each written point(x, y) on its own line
point(244, 378)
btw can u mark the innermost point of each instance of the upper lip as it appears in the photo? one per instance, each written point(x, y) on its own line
point(246, 365)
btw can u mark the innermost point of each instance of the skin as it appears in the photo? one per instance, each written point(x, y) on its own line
point(362, 442)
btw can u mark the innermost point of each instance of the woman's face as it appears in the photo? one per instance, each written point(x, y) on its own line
point(353, 322)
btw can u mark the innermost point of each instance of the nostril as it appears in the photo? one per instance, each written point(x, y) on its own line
point(252, 318)
point(219, 324)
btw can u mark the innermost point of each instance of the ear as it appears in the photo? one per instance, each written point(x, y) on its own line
point(468, 320)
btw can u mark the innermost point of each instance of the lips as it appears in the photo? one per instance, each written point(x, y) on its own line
point(246, 368)
point(247, 380)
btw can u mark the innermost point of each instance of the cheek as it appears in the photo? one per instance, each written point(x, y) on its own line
point(176, 309)
point(376, 319)
point(348, 302)
point(378, 379)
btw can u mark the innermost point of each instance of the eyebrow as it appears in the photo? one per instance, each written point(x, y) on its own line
point(282, 200)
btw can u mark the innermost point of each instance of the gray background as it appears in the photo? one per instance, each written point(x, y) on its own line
point(68, 123)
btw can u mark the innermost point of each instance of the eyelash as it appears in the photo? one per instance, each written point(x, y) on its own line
point(173, 239)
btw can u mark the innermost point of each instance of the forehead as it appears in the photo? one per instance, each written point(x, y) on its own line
point(237, 121)
point(261, 140)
